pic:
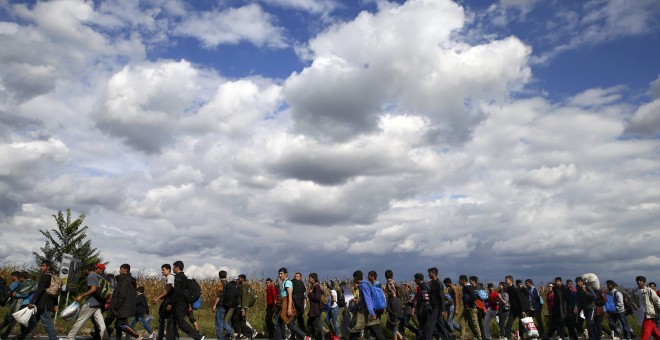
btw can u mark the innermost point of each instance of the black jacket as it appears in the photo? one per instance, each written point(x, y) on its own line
point(564, 303)
point(469, 296)
point(179, 290)
point(516, 301)
point(437, 295)
point(41, 299)
point(124, 296)
point(141, 306)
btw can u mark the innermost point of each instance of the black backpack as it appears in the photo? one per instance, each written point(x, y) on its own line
point(4, 292)
point(193, 291)
point(341, 301)
point(231, 294)
point(298, 291)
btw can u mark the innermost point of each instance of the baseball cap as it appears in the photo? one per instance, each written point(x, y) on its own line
point(101, 266)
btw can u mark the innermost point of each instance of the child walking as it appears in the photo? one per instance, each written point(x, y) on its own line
point(141, 311)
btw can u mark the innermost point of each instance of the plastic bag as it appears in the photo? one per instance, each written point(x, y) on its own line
point(530, 327)
point(24, 315)
point(71, 311)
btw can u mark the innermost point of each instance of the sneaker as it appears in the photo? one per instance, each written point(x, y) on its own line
point(307, 337)
point(203, 337)
point(254, 333)
point(153, 335)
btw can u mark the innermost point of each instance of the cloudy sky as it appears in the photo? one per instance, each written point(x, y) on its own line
point(482, 137)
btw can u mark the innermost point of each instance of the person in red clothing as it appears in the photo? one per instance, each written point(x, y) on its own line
point(549, 302)
point(493, 306)
point(271, 299)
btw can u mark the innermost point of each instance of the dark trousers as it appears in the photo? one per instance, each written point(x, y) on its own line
point(509, 324)
point(590, 318)
point(300, 316)
point(315, 327)
point(165, 317)
point(376, 330)
point(180, 311)
point(239, 323)
point(270, 325)
point(431, 322)
point(538, 319)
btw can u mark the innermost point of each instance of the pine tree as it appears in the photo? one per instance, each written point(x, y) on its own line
point(68, 238)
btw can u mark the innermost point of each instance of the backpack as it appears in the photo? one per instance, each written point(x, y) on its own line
point(104, 290)
point(402, 295)
point(482, 294)
point(394, 309)
point(252, 297)
point(298, 290)
point(378, 298)
point(4, 292)
point(55, 285)
point(193, 291)
point(610, 304)
point(627, 302)
point(325, 295)
point(231, 294)
point(341, 301)
point(197, 304)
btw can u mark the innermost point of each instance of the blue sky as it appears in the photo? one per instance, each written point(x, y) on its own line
point(481, 137)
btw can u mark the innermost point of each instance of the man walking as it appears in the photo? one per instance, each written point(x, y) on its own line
point(92, 307)
point(180, 305)
point(123, 303)
point(220, 310)
point(44, 303)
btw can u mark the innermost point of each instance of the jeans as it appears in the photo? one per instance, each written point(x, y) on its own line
point(144, 323)
point(331, 319)
point(46, 321)
point(220, 324)
point(625, 328)
point(279, 330)
point(450, 319)
point(492, 313)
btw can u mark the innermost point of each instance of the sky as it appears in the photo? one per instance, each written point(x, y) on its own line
point(485, 138)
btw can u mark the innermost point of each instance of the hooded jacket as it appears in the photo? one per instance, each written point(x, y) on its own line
point(123, 304)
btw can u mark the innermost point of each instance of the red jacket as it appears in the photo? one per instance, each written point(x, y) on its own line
point(271, 295)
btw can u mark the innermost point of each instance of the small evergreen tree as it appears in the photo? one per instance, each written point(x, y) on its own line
point(68, 238)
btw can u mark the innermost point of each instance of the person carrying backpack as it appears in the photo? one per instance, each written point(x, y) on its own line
point(332, 316)
point(298, 296)
point(314, 294)
point(44, 303)
point(91, 307)
point(11, 301)
point(286, 308)
point(180, 305)
point(535, 305)
point(239, 317)
point(618, 313)
point(220, 309)
point(365, 317)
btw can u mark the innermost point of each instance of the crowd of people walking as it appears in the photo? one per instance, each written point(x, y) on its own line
point(427, 308)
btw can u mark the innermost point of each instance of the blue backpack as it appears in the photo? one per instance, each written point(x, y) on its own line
point(378, 297)
point(610, 304)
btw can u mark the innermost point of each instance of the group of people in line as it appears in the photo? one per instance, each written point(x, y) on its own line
point(428, 308)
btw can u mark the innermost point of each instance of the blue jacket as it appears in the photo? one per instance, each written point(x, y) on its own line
point(365, 295)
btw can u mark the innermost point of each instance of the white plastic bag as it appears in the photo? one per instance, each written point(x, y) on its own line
point(71, 311)
point(530, 327)
point(24, 315)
